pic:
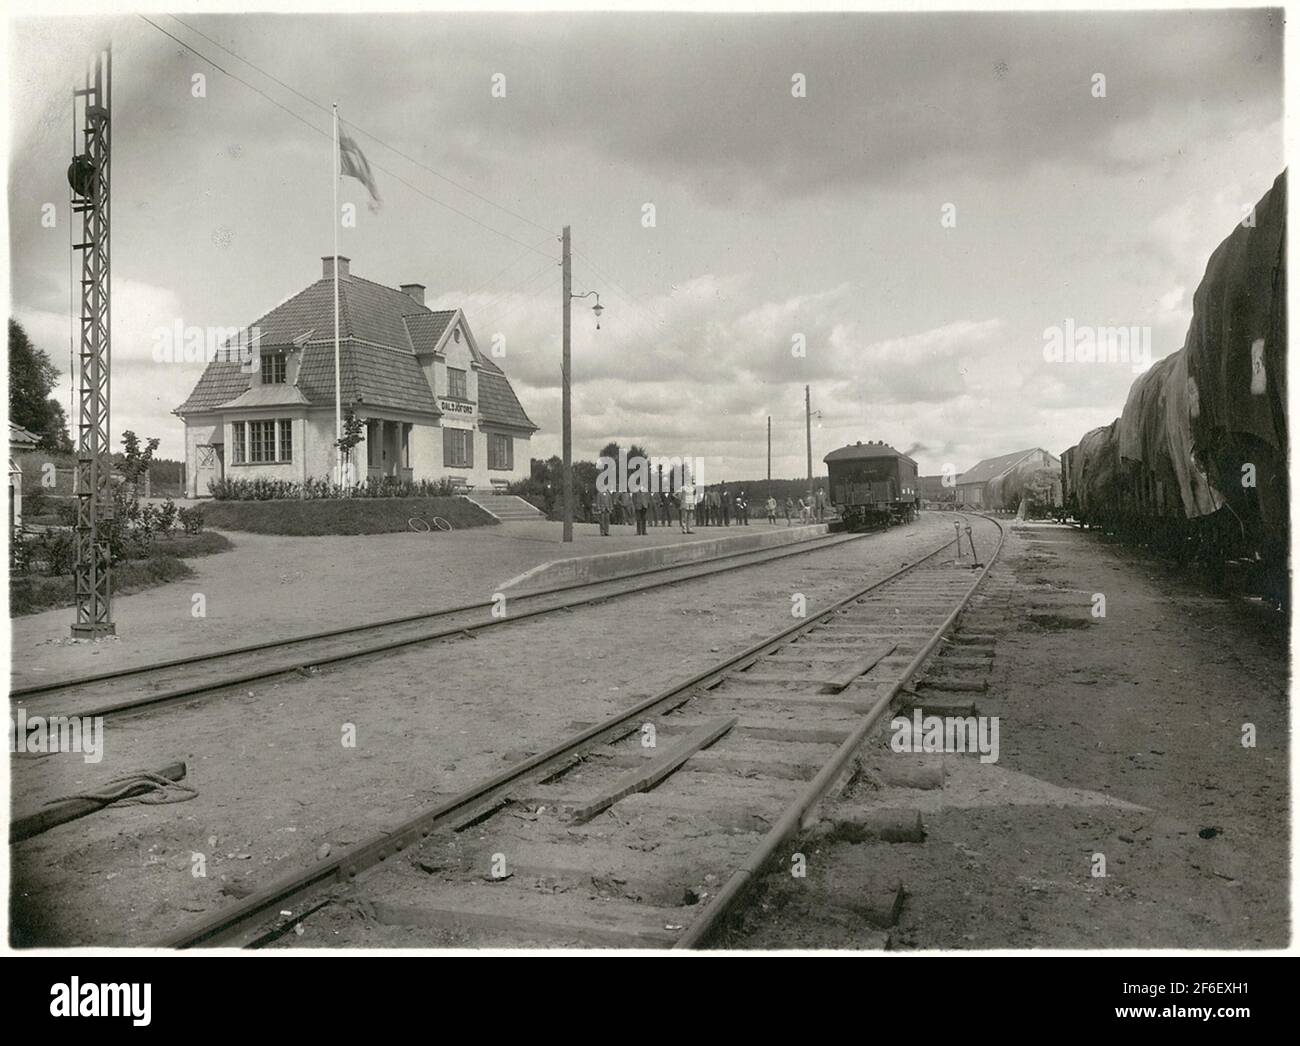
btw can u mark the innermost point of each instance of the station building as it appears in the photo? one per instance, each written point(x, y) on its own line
point(434, 406)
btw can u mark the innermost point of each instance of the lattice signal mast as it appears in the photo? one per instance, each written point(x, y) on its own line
point(88, 175)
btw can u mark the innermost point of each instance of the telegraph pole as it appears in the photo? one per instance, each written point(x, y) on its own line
point(89, 177)
point(769, 455)
point(807, 417)
point(566, 267)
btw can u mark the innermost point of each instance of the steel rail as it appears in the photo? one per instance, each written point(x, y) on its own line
point(192, 690)
point(796, 815)
point(479, 799)
point(781, 552)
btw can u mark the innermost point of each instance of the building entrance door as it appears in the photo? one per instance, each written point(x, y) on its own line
point(209, 464)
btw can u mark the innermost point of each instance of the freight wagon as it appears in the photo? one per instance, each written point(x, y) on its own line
point(1196, 464)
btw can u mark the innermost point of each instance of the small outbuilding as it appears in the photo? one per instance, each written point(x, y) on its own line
point(20, 442)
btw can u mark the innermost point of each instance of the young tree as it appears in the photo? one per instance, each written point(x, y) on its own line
point(135, 458)
point(32, 380)
point(354, 431)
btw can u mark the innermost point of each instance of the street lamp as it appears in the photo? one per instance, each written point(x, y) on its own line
point(598, 308)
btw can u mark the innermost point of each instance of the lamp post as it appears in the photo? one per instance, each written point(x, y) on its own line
point(566, 268)
point(809, 414)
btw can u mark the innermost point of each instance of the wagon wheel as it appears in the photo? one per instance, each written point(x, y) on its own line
point(441, 523)
point(420, 526)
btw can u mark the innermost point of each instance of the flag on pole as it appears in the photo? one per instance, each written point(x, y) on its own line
point(353, 164)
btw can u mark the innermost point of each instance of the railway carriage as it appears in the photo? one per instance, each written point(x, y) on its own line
point(872, 484)
point(1197, 463)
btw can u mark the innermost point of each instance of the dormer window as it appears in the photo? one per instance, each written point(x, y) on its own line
point(273, 369)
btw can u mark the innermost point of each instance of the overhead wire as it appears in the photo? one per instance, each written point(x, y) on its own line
point(646, 314)
point(329, 134)
point(369, 134)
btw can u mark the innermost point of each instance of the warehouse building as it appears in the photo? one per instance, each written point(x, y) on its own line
point(433, 405)
point(995, 483)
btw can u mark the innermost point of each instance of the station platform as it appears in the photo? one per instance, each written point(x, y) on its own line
point(599, 558)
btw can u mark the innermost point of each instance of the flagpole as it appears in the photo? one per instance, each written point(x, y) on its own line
point(338, 391)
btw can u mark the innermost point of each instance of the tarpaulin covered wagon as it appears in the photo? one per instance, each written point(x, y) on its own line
point(1197, 462)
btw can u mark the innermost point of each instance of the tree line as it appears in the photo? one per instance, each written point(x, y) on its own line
point(545, 484)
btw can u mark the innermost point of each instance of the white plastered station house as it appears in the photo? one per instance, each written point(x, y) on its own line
point(434, 406)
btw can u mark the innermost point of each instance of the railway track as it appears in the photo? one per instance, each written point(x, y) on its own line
point(182, 679)
point(647, 829)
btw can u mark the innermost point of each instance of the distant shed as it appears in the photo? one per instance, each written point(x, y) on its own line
point(987, 483)
point(20, 442)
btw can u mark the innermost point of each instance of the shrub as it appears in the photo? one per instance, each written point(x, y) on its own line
point(340, 515)
point(32, 594)
point(262, 489)
point(191, 519)
point(21, 556)
point(59, 552)
point(67, 513)
point(167, 517)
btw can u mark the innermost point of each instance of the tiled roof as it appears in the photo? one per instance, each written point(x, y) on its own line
point(381, 329)
point(427, 328)
point(222, 381)
point(497, 401)
point(20, 437)
point(991, 468)
point(367, 311)
point(378, 377)
point(268, 396)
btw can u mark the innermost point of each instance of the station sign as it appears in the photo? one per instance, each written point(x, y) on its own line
point(456, 407)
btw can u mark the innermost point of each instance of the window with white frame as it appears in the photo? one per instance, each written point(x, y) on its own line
point(262, 442)
point(273, 369)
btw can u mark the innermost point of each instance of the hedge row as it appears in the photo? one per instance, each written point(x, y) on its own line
point(339, 516)
point(263, 489)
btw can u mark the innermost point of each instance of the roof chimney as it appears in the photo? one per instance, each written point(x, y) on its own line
point(327, 266)
point(415, 291)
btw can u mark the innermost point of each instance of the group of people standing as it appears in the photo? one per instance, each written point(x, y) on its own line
point(711, 507)
point(640, 507)
point(718, 508)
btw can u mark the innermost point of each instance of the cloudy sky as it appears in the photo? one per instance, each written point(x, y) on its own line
point(775, 216)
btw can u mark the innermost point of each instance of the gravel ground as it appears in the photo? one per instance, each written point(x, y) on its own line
point(276, 785)
point(1119, 736)
point(272, 586)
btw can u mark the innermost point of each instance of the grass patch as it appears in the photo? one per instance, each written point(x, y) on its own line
point(30, 594)
point(187, 546)
point(323, 516)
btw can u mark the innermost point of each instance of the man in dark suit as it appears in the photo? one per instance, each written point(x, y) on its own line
point(604, 505)
point(640, 503)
